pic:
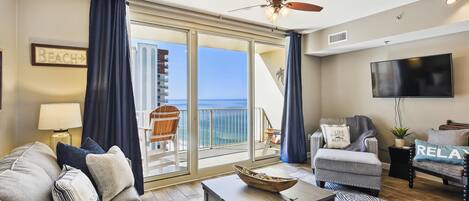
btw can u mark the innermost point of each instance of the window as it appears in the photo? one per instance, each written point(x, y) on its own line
point(159, 77)
point(222, 100)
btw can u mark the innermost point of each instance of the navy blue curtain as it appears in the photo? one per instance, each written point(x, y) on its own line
point(109, 116)
point(293, 145)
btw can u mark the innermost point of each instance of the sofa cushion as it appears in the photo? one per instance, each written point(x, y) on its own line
point(36, 153)
point(448, 137)
point(455, 171)
point(363, 163)
point(129, 194)
point(90, 145)
point(25, 181)
point(76, 157)
point(111, 172)
point(73, 185)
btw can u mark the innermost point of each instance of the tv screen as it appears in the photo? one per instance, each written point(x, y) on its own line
point(429, 76)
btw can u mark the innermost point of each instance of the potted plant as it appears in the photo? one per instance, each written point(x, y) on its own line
point(400, 133)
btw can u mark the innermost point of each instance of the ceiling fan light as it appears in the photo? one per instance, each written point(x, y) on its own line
point(269, 11)
point(284, 11)
point(274, 17)
point(449, 2)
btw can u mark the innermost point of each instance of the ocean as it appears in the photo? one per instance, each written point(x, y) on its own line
point(212, 103)
point(225, 119)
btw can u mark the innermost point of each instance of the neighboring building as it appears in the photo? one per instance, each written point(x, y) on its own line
point(149, 77)
point(162, 76)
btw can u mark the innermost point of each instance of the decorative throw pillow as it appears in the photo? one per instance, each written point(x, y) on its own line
point(76, 157)
point(448, 137)
point(73, 185)
point(337, 137)
point(111, 171)
point(425, 151)
point(323, 129)
point(92, 146)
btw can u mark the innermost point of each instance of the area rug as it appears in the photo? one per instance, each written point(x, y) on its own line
point(343, 193)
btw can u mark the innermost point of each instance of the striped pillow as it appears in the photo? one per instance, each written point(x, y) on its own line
point(72, 185)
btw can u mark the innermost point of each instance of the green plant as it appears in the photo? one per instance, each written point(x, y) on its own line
point(400, 133)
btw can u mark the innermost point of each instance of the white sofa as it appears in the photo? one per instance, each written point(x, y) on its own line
point(29, 171)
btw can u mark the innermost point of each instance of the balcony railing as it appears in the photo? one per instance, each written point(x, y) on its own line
point(217, 127)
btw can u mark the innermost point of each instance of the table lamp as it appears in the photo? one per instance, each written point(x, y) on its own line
point(59, 117)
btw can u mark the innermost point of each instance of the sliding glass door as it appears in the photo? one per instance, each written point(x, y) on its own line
point(222, 100)
point(204, 100)
point(159, 77)
point(269, 67)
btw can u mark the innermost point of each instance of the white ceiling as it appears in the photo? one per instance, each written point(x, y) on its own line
point(334, 12)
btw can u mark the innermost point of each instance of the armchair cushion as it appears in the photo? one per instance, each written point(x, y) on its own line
point(448, 137)
point(455, 171)
point(348, 161)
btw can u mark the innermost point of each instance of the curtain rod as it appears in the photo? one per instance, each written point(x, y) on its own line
point(232, 21)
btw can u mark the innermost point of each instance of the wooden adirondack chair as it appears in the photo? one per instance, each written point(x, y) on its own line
point(164, 122)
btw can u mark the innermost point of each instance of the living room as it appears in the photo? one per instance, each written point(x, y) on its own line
point(185, 89)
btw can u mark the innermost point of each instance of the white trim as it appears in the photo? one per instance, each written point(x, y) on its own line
point(169, 14)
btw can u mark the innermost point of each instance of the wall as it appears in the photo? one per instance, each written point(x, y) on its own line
point(384, 24)
point(63, 22)
point(346, 88)
point(311, 81)
point(8, 48)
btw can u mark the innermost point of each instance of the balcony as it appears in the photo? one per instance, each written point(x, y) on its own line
point(223, 136)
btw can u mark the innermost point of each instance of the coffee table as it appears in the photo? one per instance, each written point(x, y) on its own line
point(232, 188)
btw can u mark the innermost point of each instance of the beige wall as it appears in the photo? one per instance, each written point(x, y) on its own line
point(63, 22)
point(415, 17)
point(346, 87)
point(311, 81)
point(8, 48)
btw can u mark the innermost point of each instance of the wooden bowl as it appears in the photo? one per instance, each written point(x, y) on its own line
point(263, 181)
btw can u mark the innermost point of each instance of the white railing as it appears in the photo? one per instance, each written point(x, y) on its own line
point(217, 127)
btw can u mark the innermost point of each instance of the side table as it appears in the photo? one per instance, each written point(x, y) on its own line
point(399, 162)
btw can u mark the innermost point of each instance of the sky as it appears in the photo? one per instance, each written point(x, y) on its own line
point(222, 74)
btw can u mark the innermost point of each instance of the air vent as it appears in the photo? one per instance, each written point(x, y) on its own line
point(337, 37)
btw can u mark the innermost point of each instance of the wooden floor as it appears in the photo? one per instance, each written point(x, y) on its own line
point(392, 188)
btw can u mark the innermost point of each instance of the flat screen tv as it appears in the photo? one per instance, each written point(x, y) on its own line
point(428, 76)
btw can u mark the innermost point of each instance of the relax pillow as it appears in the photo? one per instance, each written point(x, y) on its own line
point(76, 157)
point(425, 151)
point(337, 137)
point(111, 171)
point(448, 137)
point(73, 185)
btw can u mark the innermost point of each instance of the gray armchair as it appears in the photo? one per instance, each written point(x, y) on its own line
point(317, 139)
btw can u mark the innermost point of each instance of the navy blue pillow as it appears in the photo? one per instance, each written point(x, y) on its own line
point(76, 157)
point(90, 145)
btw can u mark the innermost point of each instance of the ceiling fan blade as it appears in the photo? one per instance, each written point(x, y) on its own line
point(249, 7)
point(303, 6)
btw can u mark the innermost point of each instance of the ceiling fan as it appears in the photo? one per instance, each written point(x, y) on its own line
point(281, 7)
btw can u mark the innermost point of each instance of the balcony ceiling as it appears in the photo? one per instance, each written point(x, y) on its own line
point(334, 12)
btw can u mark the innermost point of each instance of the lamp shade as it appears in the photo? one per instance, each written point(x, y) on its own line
point(59, 116)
